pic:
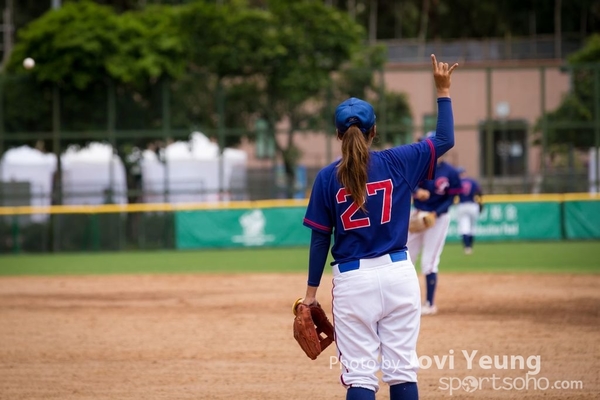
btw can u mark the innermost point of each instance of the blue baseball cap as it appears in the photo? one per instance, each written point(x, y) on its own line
point(354, 112)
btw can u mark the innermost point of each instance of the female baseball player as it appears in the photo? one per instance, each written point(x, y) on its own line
point(436, 196)
point(364, 201)
point(468, 209)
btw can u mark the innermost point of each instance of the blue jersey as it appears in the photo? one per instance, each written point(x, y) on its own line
point(470, 189)
point(392, 177)
point(442, 189)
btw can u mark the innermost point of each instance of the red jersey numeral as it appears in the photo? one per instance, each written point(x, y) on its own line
point(385, 187)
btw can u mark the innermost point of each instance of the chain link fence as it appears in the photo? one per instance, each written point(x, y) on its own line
point(145, 154)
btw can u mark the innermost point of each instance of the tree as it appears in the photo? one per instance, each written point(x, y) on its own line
point(225, 66)
point(98, 62)
point(571, 122)
point(317, 40)
point(71, 45)
point(228, 49)
point(86, 49)
point(361, 77)
point(274, 64)
point(113, 62)
point(150, 47)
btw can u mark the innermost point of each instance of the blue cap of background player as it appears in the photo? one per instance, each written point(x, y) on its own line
point(354, 112)
point(428, 135)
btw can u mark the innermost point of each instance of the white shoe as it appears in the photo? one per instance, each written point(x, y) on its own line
point(468, 250)
point(427, 309)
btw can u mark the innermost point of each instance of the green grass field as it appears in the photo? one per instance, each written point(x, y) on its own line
point(547, 257)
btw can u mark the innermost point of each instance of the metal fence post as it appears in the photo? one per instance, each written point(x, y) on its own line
point(383, 106)
point(111, 113)
point(544, 123)
point(166, 127)
point(166, 131)
point(141, 234)
point(58, 189)
point(328, 128)
point(95, 232)
point(2, 132)
point(597, 123)
point(221, 135)
point(15, 234)
point(489, 132)
point(111, 129)
point(527, 149)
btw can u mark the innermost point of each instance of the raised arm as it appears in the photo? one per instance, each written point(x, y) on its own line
point(444, 134)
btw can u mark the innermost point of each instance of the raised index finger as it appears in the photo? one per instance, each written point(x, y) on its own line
point(434, 62)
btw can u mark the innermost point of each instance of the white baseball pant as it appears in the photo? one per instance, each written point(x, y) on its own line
point(377, 316)
point(430, 244)
point(467, 214)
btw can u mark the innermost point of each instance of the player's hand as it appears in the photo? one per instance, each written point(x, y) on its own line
point(441, 75)
point(309, 301)
point(310, 298)
point(422, 194)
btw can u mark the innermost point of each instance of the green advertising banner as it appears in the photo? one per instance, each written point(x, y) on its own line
point(582, 219)
point(513, 221)
point(282, 226)
point(241, 228)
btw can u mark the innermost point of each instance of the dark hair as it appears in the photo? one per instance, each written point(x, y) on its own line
point(353, 167)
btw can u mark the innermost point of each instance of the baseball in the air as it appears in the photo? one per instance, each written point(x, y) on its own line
point(28, 63)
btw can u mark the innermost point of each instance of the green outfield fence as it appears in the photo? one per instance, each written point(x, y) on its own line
point(269, 223)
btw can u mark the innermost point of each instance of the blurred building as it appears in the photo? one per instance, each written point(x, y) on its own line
point(499, 92)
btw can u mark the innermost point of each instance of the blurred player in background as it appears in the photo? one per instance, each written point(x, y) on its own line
point(468, 209)
point(364, 201)
point(435, 196)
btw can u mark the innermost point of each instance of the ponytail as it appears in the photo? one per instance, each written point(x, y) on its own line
point(353, 167)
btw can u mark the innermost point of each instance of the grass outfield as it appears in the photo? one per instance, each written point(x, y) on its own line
point(546, 257)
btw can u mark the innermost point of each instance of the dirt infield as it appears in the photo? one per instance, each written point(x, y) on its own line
point(229, 337)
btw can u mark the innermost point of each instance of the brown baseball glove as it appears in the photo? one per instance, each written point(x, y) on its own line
point(421, 220)
point(312, 329)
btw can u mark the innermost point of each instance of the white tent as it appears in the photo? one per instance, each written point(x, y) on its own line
point(91, 173)
point(33, 168)
point(235, 173)
point(153, 177)
point(192, 171)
